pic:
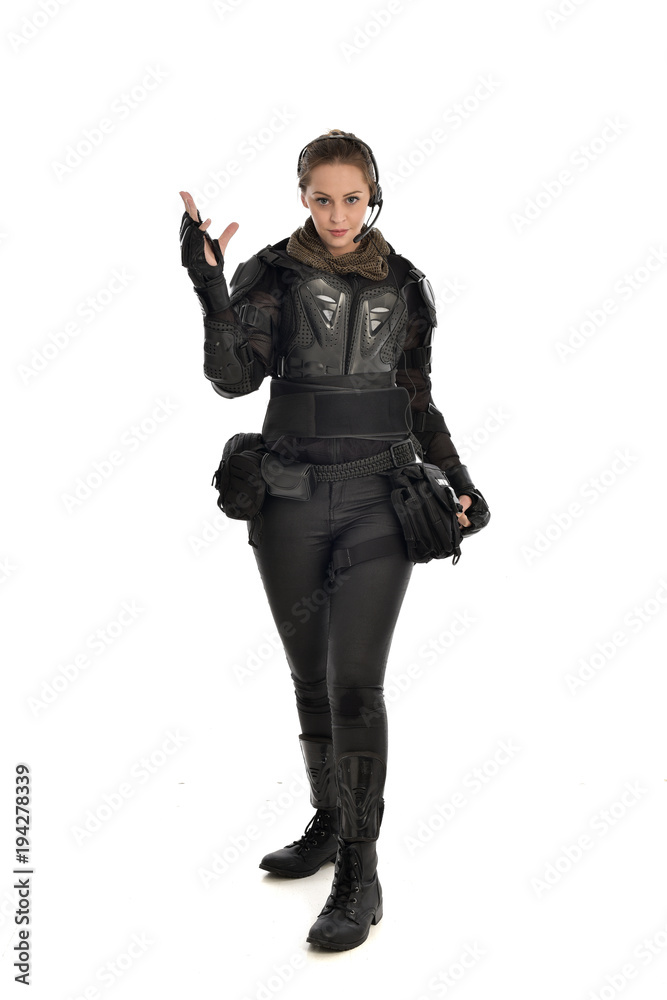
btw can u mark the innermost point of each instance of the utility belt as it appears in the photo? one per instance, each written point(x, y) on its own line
point(425, 504)
point(248, 470)
point(298, 480)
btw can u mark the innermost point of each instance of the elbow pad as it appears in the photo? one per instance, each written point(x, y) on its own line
point(229, 361)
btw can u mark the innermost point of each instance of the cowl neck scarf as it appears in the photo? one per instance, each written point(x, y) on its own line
point(369, 259)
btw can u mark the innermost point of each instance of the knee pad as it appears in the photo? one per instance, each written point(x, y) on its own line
point(311, 696)
point(357, 707)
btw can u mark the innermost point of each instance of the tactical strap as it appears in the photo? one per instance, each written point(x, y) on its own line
point(429, 420)
point(279, 258)
point(249, 313)
point(252, 316)
point(416, 357)
point(371, 548)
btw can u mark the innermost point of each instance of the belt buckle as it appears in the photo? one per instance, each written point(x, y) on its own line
point(402, 444)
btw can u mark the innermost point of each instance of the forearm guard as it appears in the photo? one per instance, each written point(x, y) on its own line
point(213, 296)
point(459, 480)
point(229, 361)
point(478, 512)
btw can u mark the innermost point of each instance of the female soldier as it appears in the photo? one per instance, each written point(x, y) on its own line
point(342, 325)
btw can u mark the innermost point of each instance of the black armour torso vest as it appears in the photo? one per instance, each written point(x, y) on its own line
point(339, 324)
point(346, 328)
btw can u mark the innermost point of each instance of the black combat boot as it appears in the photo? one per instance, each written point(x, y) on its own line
point(318, 843)
point(355, 901)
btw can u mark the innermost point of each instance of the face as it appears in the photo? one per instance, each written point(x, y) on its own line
point(337, 197)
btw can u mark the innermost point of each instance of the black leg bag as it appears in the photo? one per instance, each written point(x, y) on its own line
point(238, 478)
point(426, 506)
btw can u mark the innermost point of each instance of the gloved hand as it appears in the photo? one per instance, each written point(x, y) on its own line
point(197, 248)
point(477, 511)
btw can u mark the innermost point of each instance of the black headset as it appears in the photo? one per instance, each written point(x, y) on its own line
point(375, 199)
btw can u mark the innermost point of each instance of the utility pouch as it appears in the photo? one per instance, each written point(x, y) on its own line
point(285, 478)
point(426, 507)
point(238, 478)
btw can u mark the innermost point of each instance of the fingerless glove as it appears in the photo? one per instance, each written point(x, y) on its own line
point(208, 279)
point(478, 512)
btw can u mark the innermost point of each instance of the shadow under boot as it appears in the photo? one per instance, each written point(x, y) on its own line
point(318, 843)
point(355, 900)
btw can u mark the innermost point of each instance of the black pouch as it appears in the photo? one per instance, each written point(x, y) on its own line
point(426, 506)
point(285, 478)
point(238, 478)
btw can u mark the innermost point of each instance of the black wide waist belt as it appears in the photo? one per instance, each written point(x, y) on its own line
point(341, 413)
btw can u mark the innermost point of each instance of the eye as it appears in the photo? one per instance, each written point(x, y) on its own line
point(351, 198)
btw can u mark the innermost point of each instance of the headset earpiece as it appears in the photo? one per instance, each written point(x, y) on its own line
point(376, 198)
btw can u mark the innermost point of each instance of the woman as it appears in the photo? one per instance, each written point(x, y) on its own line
point(342, 325)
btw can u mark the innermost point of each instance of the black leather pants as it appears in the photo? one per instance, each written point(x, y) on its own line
point(337, 627)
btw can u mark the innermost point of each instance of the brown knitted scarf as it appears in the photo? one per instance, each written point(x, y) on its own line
point(369, 259)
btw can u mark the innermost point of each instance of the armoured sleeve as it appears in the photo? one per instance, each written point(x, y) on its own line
point(428, 423)
point(239, 342)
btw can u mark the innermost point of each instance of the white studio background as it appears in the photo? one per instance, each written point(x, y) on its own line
point(522, 158)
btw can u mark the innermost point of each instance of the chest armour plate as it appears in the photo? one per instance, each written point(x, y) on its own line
point(330, 329)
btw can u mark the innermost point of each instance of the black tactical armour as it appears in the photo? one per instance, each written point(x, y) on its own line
point(311, 330)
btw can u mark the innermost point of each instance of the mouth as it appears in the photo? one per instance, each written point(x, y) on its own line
point(338, 232)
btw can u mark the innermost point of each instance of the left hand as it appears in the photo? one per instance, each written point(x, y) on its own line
point(465, 502)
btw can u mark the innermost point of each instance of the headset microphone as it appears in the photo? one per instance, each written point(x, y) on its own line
point(360, 236)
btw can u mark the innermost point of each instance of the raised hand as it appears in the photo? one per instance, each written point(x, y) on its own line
point(210, 256)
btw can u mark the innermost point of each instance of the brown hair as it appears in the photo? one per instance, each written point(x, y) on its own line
point(328, 148)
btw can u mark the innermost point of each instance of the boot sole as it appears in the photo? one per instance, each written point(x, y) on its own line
point(288, 874)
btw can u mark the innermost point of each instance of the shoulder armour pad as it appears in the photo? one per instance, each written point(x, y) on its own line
point(426, 291)
point(245, 275)
point(276, 256)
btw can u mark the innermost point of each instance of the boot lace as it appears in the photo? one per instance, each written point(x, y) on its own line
point(345, 881)
point(319, 826)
